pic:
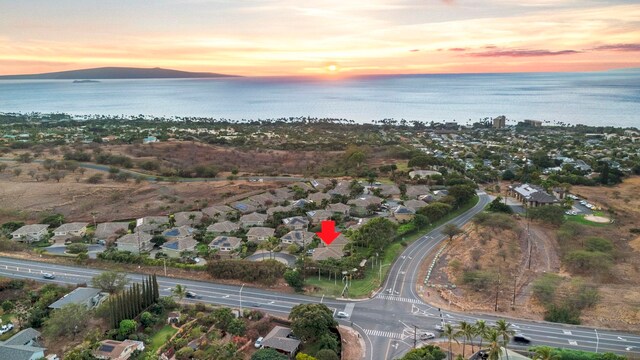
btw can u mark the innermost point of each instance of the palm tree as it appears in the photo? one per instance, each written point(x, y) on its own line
point(465, 330)
point(545, 353)
point(450, 333)
point(495, 348)
point(179, 291)
point(505, 331)
point(481, 330)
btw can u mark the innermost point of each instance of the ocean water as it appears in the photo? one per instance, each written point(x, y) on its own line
point(598, 98)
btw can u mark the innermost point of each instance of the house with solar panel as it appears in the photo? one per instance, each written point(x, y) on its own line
point(225, 244)
point(174, 248)
point(296, 223)
point(117, 350)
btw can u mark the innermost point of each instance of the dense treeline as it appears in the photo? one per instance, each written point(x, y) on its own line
point(133, 300)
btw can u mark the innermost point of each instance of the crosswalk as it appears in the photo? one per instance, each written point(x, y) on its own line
point(397, 298)
point(387, 334)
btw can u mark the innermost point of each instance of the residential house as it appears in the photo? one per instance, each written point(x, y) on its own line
point(175, 247)
point(217, 212)
point(253, 219)
point(280, 339)
point(297, 237)
point(415, 191)
point(135, 243)
point(278, 209)
point(343, 188)
point(334, 250)
point(300, 203)
point(30, 233)
point(339, 208)
point(24, 345)
point(390, 191)
point(358, 223)
point(403, 213)
point(362, 204)
point(439, 194)
point(296, 223)
point(284, 194)
point(89, 297)
point(110, 230)
point(71, 229)
point(225, 244)
point(415, 205)
point(190, 218)
point(224, 227)
point(531, 195)
point(320, 184)
point(151, 224)
point(263, 200)
point(318, 197)
point(317, 216)
point(117, 350)
point(173, 317)
point(259, 234)
point(244, 207)
point(302, 185)
point(178, 232)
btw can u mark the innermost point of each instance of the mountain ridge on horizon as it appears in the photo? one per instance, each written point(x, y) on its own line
point(114, 72)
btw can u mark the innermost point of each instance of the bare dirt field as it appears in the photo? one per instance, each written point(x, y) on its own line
point(24, 198)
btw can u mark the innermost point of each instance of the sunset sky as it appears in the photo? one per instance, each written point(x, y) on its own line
point(341, 37)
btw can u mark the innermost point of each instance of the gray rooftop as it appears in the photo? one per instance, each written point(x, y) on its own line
point(77, 296)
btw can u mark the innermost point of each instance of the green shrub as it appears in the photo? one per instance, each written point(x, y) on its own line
point(598, 244)
point(544, 288)
point(479, 280)
point(565, 314)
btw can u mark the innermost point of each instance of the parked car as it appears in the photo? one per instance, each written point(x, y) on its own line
point(48, 276)
point(427, 336)
point(342, 315)
point(521, 339)
point(258, 343)
point(6, 328)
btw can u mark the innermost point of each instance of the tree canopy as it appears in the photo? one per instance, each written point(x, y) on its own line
point(110, 281)
point(310, 321)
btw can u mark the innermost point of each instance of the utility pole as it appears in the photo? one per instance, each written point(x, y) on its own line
point(241, 287)
point(497, 290)
point(515, 283)
point(415, 336)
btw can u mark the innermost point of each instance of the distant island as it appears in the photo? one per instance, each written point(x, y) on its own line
point(85, 81)
point(115, 73)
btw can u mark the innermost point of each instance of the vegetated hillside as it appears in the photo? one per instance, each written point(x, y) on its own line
point(580, 273)
point(116, 73)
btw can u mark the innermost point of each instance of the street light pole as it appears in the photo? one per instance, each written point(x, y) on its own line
point(165, 266)
point(241, 287)
point(597, 340)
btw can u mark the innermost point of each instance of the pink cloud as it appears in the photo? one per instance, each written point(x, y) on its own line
point(523, 53)
point(619, 47)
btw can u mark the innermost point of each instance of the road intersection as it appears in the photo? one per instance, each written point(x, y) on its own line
point(387, 322)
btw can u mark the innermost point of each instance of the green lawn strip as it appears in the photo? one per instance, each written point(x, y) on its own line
point(583, 221)
point(363, 287)
point(159, 338)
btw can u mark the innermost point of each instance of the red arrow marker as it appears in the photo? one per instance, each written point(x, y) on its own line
point(328, 233)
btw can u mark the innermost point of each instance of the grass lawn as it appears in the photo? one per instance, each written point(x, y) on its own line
point(160, 337)
point(581, 220)
point(363, 287)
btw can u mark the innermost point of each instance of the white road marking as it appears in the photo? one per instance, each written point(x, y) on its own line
point(573, 342)
point(566, 332)
point(380, 333)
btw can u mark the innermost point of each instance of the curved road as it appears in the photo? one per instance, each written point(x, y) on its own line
point(385, 322)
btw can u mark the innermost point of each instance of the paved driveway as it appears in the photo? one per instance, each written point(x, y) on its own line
point(94, 249)
point(287, 259)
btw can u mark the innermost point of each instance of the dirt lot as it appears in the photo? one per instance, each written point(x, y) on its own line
point(24, 198)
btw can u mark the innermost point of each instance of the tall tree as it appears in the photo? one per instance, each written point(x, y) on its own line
point(504, 330)
point(481, 330)
point(466, 331)
point(110, 281)
point(451, 230)
point(310, 321)
point(545, 353)
point(69, 319)
point(495, 347)
point(179, 291)
point(450, 333)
